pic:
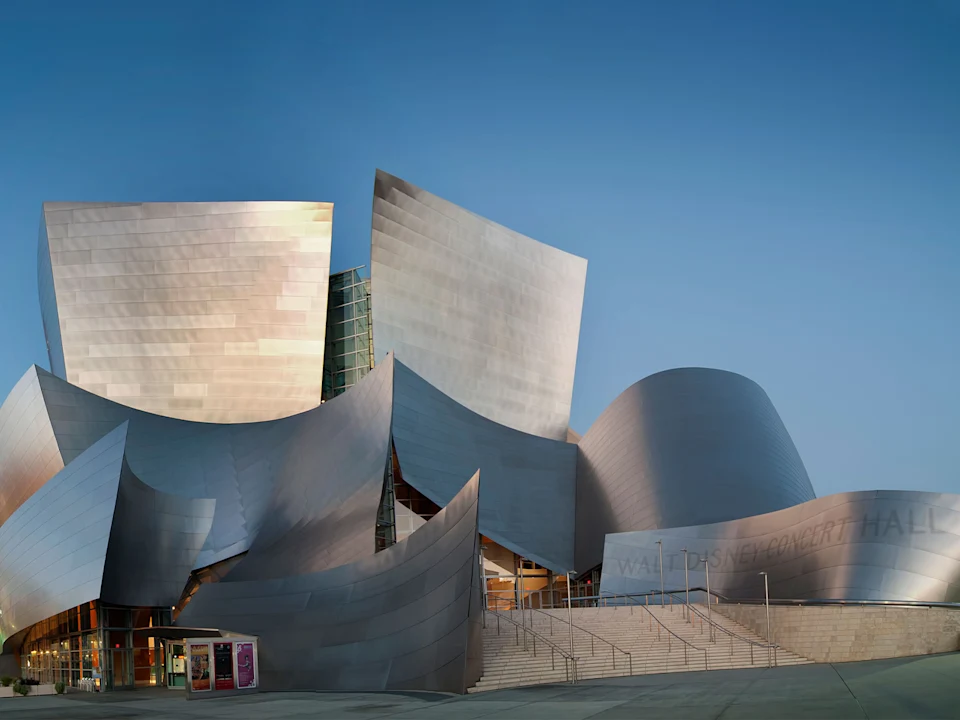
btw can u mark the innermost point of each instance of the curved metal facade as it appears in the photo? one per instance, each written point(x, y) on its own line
point(29, 454)
point(406, 618)
point(321, 461)
point(201, 311)
point(528, 482)
point(684, 447)
point(488, 316)
point(875, 545)
point(95, 531)
point(323, 509)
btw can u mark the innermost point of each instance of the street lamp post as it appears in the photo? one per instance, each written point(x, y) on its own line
point(766, 600)
point(573, 665)
point(483, 585)
point(709, 621)
point(686, 582)
point(523, 624)
point(660, 546)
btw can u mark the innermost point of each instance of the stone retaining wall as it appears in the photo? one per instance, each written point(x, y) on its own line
point(851, 632)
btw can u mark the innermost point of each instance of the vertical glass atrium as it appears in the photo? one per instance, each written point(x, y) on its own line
point(348, 356)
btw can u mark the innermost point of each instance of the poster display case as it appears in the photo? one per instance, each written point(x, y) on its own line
point(220, 665)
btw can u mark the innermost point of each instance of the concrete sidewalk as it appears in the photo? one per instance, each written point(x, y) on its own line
point(927, 687)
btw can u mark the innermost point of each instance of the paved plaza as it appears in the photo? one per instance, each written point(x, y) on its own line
point(901, 688)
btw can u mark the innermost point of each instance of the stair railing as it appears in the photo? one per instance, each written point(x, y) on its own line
point(687, 646)
point(732, 635)
point(613, 648)
point(570, 661)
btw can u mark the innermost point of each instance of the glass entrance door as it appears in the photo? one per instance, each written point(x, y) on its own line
point(120, 675)
point(176, 666)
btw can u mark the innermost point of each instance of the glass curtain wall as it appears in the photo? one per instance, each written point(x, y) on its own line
point(348, 351)
point(96, 641)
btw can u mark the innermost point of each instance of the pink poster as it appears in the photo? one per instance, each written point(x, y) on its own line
point(246, 675)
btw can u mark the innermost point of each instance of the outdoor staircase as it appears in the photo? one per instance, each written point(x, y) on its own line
point(615, 641)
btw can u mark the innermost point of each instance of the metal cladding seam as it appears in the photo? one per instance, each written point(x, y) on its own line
point(869, 545)
point(683, 447)
point(487, 315)
point(406, 618)
point(95, 531)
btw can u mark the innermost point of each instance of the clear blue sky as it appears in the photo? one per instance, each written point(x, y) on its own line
point(767, 187)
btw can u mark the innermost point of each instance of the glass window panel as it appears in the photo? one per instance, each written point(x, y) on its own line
point(337, 281)
point(347, 296)
point(141, 617)
point(362, 325)
point(335, 298)
point(342, 347)
point(363, 359)
point(342, 330)
point(362, 373)
point(117, 618)
point(363, 342)
point(339, 380)
point(143, 657)
point(351, 377)
point(342, 362)
point(360, 307)
point(347, 312)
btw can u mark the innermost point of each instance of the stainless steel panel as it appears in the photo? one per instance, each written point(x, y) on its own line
point(528, 481)
point(488, 316)
point(97, 261)
point(407, 618)
point(154, 543)
point(873, 545)
point(259, 473)
point(683, 447)
point(94, 530)
point(29, 455)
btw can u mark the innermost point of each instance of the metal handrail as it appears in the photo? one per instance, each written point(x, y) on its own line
point(828, 602)
point(716, 625)
point(785, 601)
point(768, 645)
point(576, 627)
point(553, 648)
point(670, 633)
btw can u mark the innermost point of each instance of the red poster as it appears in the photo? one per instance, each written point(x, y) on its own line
point(223, 666)
point(199, 667)
point(246, 675)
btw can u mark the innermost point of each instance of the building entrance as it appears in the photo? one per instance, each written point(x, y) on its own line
point(118, 674)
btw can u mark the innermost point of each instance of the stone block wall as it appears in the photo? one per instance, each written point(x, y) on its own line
point(851, 632)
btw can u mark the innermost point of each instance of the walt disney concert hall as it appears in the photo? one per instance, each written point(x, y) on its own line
point(244, 471)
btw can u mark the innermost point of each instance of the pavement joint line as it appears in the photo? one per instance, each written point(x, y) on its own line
point(850, 691)
point(730, 704)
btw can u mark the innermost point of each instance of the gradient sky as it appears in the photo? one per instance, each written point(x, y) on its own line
point(766, 187)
